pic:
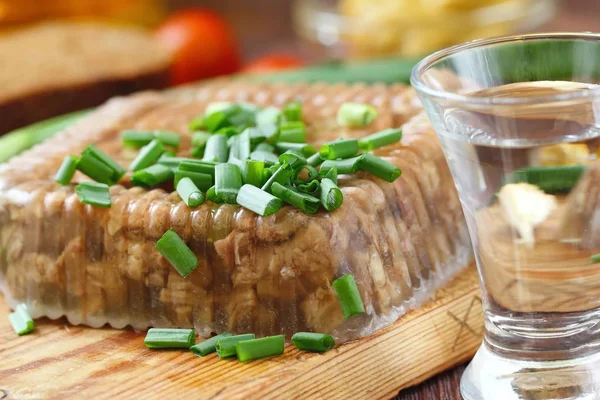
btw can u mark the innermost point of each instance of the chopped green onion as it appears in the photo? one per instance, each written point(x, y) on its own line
point(200, 138)
point(315, 160)
point(380, 139)
point(595, 258)
point(259, 201)
point(95, 169)
point(294, 158)
point(270, 132)
point(355, 115)
point(256, 135)
point(228, 181)
point(207, 346)
point(267, 173)
point(197, 152)
point(242, 146)
point(163, 338)
point(167, 138)
point(67, 170)
point(226, 346)
point(169, 153)
point(293, 132)
point(332, 174)
point(348, 295)
point(331, 195)
point(21, 321)
point(147, 156)
point(254, 349)
point(379, 167)
point(347, 166)
point(94, 193)
point(550, 179)
point(310, 341)
point(174, 162)
point(117, 170)
point(312, 187)
point(201, 180)
point(282, 175)
point(152, 176)
point(197, 124)
point(312, 174)
point(305, 202)
point(211, 195)
point(228, 131)
point(216, 149)
point(189, 193)
point(204, 167)
point(217, 106)
point(265, 157)
point(266, 147)
point(305, 149)
point(293, 111)
point(174, 249)
point(269, 115)
point(136, 139)
point(216, 120)
point(252, 173)
point(342, 148)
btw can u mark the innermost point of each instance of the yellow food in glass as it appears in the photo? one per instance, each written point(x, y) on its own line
point(563, 154)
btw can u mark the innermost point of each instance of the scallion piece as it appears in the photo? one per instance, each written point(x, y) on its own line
point(67, 170)
point(228, 181)
point(256, 135)
point(332, 174)
point(310, 341)
point(226, 346)
point(147, 156)
point(379, 167)
point(201, 180)
point(292, 132)
point(347, 166)
point(331, 195)
point(197, 152)
point(255, 349)
point(211, 195)
point(270, 132)
point(204, 167)
point(380, 139)
point(305, 149)
point(294, 158)
point(94, 193)
point(95, 169)
point(215, 120)
point(136, 139)
point(269, 115)
point(259, 201)
point(217, 106)
point(197, 124)
point(162, 338)
point(312, 187)
point(293, 111)
point(169, 153)
point(177, 253)
point(167, 138)
point(242, 150)
point(117, 170)
point(305, 202)
point(228, 131)
point(152, 176)
point(216, 149)
point(264, 156)
point(356, 115)
point(311, 174)
point(200, 138)
point(348, 295)
point(207, 346)
point(252, 173)
point(189, 193)
point(315, 160)
point(595, 258)
point(550, 179)
point(282, 175)
point(21, 321)
point(266, 147)
point(343, 148)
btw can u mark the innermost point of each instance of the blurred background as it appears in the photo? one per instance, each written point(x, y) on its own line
point(207, 38)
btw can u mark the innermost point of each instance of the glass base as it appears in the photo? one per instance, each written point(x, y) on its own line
point(492, 377)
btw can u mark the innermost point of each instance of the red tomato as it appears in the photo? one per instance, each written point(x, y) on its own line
point(203, 45)
point(274, 62)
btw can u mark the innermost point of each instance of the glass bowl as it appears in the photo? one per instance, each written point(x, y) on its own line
point(355, 29)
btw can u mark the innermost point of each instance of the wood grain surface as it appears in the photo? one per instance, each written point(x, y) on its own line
point(60, 361)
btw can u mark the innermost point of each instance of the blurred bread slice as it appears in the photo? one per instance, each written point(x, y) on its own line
point(54, 68)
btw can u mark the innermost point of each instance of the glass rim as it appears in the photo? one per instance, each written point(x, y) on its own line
point(430, 60)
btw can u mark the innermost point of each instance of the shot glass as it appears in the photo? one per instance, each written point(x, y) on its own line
point(519, 121)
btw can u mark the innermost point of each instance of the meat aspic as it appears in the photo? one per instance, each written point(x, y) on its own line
point(267, 275)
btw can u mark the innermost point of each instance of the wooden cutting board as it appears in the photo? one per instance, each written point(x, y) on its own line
point(61, 361)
